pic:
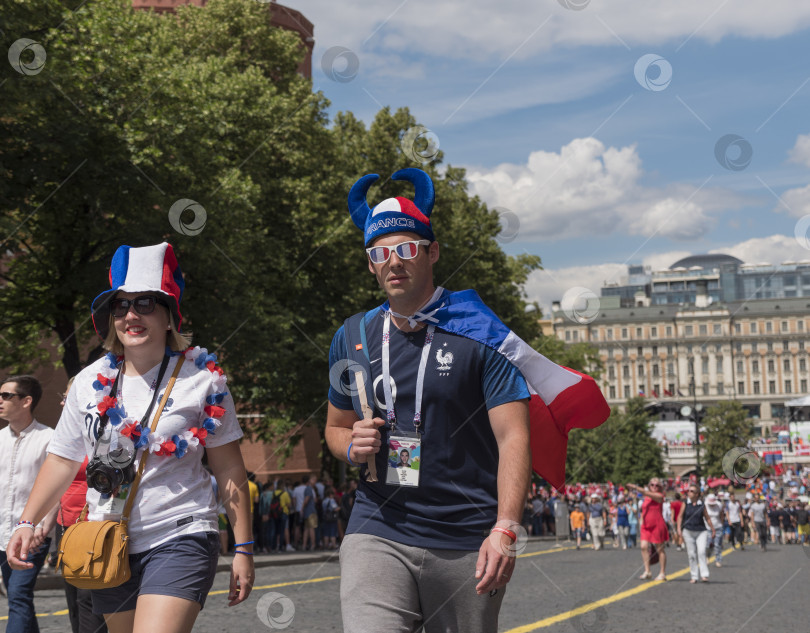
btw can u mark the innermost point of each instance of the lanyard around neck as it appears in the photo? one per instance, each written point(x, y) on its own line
point(420, 377)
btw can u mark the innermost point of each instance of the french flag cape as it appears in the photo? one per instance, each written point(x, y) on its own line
point(562, 399)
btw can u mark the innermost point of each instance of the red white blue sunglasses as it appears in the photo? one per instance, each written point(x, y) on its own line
point(404, 250)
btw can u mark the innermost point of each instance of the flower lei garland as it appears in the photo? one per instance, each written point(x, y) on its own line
point(141, 436)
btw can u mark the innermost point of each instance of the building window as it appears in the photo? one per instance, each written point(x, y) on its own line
point(785, 345)
point(625, 371)
point(717, 328)
point(719, 364)
point(771, 386)
point(800, 325)
point(754, 366)
point(624, 332)
point(575, 335)
point(691, 389)
point(803, 385)
point(687, 330)
point(721, 389)
point(612, 391)
point(671, 388)
point(705, 389)
point(738, 328)
point(802, 364)
point(768, 327)
point(669, 350)
point(640, 370)
point(738, 347)
point(739, 367)
point(756, 386)
point(611, 373)
point(771, 366)
point(626, 391)
point(770, 347)
point(669, 330)
point(703, 329)
point(610, 352)
point(610, 334)
point(670, 369)
point(653, 332)
point(655, 370)
point(640, 351)
point(784, 326)
point(704, 366)
point(752, 327)
point(567, 335)
point(655, 350)
point(788, 386)
point(656, 389)
point(741, 388)
point(638, 332)
point(801, 344)
point(786, 364)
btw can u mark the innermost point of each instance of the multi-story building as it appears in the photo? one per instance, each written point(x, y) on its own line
point(703, 351)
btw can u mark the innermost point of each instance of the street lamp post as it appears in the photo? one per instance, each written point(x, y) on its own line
point(695, 414)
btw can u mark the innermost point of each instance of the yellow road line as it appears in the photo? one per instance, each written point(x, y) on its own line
point(547, 551)
point(561, 617)
point(281, 584)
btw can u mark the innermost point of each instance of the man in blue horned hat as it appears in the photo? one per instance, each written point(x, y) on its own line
point(433, 544)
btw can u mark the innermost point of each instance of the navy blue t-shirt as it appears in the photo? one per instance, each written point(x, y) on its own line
point(455, 505)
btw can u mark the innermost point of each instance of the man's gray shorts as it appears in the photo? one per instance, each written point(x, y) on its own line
point(385, 586)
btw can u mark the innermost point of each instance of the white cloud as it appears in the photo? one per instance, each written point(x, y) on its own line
point(801, 150)
point(588, 189)
point(773, 249)
point(661, 261)
point(796, 201)
point(476, 30)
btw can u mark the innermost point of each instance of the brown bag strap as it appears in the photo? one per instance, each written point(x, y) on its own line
point(134, 488)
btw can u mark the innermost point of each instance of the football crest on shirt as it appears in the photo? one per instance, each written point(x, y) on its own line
point(445, 359)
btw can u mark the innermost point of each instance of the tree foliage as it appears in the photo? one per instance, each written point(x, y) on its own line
point(621, 450)
point(725, 426)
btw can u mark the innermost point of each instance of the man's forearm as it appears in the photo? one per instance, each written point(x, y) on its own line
point(514, 475)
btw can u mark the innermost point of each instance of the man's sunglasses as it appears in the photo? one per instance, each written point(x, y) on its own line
point(404, 250)
point(7, 395)
point(145, 304)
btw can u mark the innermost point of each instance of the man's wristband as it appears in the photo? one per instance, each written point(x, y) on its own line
point(349, 455)
point(508, 533)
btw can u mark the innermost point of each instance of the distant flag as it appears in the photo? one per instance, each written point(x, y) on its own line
point(655, 393)
point(680, 393)
point(667, 392)
point(641, 391)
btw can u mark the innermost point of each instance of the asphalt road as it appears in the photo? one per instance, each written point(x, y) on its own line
point(554, 589)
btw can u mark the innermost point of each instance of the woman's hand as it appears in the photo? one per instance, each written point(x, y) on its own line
point(242, 577)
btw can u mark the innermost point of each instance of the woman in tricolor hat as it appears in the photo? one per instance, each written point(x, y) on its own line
point(173, 527)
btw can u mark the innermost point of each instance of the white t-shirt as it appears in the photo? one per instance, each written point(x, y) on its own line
point(714, 510)
point(734, 511)
point(174, 496)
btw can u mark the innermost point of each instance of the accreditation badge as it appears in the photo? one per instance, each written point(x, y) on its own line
point(404, 459)
point(114, 504)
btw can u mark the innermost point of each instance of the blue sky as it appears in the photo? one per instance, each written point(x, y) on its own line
point(542, 105)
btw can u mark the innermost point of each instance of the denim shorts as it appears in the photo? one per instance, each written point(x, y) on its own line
point(183, 567)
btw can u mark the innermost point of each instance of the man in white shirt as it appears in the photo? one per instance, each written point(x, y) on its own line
point(23, 447)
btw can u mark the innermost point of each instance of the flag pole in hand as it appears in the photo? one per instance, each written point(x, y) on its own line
point(360, 381)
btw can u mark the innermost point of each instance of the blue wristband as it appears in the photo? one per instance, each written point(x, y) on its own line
point(239, 551)
point(348, 455)
point(245, 543)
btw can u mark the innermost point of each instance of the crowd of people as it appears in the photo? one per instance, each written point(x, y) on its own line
point(683, 513)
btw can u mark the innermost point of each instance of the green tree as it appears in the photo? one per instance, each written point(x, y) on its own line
point(621, 450)
point(725, 425)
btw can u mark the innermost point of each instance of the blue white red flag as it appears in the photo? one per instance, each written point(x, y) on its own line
point(562, 398)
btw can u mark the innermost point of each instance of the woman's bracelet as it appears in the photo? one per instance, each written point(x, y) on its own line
point(349, 455)
point(239, 551)
point(23, 524)
point(245, 543)
point(508, 533)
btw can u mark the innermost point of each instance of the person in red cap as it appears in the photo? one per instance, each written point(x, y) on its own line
point(173, 526)
point(447, 381)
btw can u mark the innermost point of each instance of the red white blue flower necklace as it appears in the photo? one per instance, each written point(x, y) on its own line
point(141, 436)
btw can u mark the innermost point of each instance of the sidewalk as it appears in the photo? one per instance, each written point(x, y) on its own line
point(48, 579)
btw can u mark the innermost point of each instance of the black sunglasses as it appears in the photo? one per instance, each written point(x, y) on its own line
point(145, 304)
point(7, 395)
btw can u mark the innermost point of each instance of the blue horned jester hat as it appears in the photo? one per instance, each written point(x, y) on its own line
point(394, 215)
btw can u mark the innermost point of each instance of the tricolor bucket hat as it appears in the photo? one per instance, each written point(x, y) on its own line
point(142, 269)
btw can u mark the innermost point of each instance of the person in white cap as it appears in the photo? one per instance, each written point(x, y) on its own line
point(715, 511)
point(597, 520)
point(173, 526)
